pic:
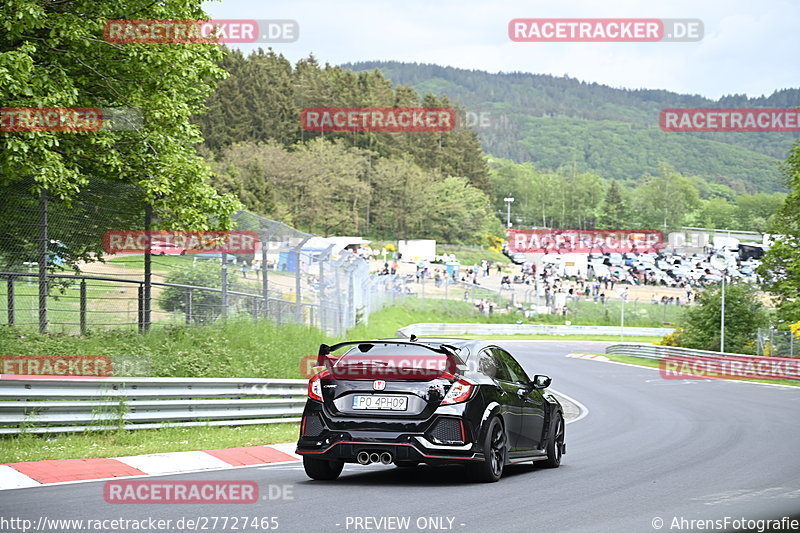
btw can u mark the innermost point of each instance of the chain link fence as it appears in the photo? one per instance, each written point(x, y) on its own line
point(774, 343)
point(55, 276)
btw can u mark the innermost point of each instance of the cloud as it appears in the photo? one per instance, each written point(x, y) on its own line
point(749, 47)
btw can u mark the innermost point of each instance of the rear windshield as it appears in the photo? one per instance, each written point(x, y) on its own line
point(375, 361)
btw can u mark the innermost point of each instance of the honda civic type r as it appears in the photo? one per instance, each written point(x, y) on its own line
point(433, 401)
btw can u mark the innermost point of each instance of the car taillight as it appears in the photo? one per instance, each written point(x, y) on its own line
point(459, 392)
point(315, 387)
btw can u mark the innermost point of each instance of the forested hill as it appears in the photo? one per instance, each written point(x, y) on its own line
point(557, 121)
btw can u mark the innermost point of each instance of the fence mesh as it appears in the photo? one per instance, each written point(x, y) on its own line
point(774, 343)
point(54, 275)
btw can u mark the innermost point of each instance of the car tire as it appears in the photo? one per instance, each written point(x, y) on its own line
point(555, 445)
point(495, 452)
point(406, 464)
point(322, 469)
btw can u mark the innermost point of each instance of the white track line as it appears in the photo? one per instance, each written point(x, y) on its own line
point(583, 409)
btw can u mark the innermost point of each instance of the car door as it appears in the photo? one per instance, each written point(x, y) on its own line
point(511, 404)
point(532, 401)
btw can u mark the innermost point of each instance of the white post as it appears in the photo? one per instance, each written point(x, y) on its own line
point(624, 295)
point(508, 201)
point(722, 317)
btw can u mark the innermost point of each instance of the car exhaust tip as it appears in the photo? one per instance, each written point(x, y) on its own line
point(374, 457)
point(386, 458)
point(363, 458)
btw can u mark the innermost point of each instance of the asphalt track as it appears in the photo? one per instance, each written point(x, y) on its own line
point(648, 448)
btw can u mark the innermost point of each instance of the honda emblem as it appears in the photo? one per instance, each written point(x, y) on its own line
point(378, 384)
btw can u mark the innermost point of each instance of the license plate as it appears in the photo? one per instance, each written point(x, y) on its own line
point(380, 402)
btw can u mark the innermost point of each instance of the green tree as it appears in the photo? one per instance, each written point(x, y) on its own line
point(744, 314)
point(754, 211)
point(665, 201)
point(614, 214)
point(459, 213)
point(53, 54)
point(718, 213)
point(781, 265)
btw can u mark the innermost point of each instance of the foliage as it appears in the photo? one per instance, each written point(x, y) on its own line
point(744, 314)
point(53, 54)
point(664, 201)
point(262, 99)
point(672, 339)
point(564, 199)
point(327, 187)
point(614, 214)
point(494, 243)
point(781, 265)
point(553, 121)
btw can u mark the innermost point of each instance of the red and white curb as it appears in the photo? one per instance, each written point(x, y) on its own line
point(41, 473)
point(593, 356)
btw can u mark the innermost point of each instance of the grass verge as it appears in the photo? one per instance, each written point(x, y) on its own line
point(117, 443)
point(639, 361)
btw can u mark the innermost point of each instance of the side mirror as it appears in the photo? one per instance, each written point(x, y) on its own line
point(540, 381)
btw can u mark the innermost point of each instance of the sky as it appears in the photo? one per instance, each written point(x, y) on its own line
point(749, 46)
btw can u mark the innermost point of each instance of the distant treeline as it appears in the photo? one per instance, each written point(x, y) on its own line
point(382, 184)
point(437, 185)
point(554, 121)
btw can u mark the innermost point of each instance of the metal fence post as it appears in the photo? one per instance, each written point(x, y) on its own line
point(351, 302)
point(140, 318)
point(10, 285)
point(224, 274)
point(188, 308)
point(43, 261)
point(298, 309)
point(264, 280)
point(339, 330)
point(83, 307)
point(148, 268)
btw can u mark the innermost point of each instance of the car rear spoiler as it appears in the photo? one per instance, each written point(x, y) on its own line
point(451, 352)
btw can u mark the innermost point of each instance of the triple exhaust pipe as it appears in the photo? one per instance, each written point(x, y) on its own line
point(366, 458)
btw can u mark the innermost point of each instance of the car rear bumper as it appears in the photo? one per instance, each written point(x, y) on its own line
point(438, 439)
point(346, 447)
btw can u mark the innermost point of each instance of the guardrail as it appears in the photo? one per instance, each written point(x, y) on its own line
point(653, 351)
point(67, 405)
point(431, 329)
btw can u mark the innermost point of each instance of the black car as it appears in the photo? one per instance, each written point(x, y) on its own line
point(433, 401)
